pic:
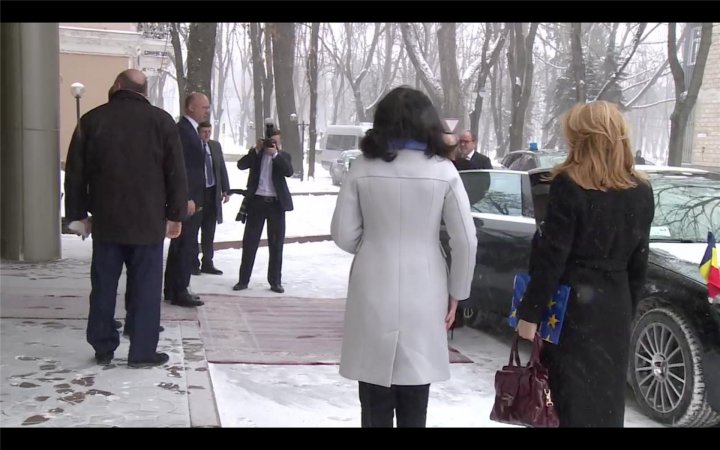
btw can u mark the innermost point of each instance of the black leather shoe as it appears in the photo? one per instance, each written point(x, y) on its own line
point(158, 360)
point(104, 359)
point(117, 324)
point(168, 298)
point(277, 288)
point(186, 300)
point(240, 286)
point(211, 270)
point(196, 271)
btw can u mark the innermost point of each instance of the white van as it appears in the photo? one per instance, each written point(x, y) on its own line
point(339, 138)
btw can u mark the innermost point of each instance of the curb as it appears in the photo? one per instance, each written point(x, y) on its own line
point(263, 242)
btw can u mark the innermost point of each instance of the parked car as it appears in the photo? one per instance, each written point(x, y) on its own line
point(339, 168)
point(339, 138)
point(532, 159)
point(674, 369)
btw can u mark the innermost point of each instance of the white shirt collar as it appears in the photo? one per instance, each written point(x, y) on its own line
point(470, 155)
point(192, 121)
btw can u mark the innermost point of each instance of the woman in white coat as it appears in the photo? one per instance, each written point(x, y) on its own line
point(402, 297)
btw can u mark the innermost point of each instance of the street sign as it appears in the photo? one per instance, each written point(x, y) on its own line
point(451, 124)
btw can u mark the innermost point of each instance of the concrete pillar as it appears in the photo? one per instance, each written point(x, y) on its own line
point(29, 145)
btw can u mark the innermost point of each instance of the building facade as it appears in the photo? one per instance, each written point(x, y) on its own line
point(93, 54)
point(706, 125)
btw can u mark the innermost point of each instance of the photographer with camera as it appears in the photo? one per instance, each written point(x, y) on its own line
point(268, 198)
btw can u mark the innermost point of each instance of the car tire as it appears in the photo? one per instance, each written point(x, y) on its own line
point(665, 370)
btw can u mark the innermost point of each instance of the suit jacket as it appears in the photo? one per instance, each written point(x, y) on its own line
point(221, 176)
point(477, 162)
point(125, 166)
point(194, 160)
point(281, 169)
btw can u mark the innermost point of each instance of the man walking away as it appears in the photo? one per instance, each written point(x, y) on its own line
point(125, 166)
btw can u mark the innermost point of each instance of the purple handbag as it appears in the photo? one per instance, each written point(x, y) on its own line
point(522, 393)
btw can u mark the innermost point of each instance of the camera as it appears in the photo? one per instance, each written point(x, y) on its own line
point(269, 132)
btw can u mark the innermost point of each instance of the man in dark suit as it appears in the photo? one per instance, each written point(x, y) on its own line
point(268, 199)
point(183, 250)
point(216, 193)
point(468, 157)
point(125, 166)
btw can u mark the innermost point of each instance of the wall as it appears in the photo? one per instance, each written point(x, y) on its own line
point(706, 136)
point(97, 73)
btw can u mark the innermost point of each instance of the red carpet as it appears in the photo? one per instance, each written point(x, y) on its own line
point(275, 330)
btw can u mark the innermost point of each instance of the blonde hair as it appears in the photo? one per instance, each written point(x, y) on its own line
point(600, 156)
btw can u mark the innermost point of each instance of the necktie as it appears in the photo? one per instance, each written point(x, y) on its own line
point(209, 175)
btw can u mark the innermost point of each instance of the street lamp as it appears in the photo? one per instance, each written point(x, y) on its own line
point(77, 89)
point(302, 125)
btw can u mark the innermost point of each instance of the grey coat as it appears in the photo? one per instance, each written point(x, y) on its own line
point(389, 216)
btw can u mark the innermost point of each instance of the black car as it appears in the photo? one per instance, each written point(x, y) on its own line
point(532, 159)
point(675, 350)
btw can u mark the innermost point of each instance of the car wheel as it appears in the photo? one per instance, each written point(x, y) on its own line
point(665, 370)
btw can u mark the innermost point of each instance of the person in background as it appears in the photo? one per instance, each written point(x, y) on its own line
point(217, 186)
point(469, 159)
point(182, 254)
point(639, 160)
point(402, 297)
point(268, 198)
point(125, 166)
point(594, 238)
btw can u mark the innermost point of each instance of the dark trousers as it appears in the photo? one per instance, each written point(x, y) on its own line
point(144, 284)
point(379, 403)
point(259, 210)
point(207, 228)
point(182, 255)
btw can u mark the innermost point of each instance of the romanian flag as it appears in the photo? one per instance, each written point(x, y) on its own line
point(551, 324)
point(709, 268)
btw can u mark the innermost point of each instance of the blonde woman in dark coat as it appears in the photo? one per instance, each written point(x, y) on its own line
point(594, 238)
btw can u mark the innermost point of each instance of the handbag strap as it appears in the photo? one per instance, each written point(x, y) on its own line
point(537, 348)
point(514, 352)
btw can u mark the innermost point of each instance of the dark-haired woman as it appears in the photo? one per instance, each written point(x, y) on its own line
point(402, 297)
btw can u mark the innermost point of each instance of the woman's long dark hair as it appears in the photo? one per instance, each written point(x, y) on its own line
point(404, 113)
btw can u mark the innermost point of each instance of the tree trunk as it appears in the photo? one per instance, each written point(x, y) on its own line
point(336, 103)
point(578, 62)
point(485, 67)
point(356, 81)
point(201, 51)
point(452, 104)
point(312, 71)
point(268, 80)
point(258, 74)
point(685, 99)
point(179, 65)
point(520, 63)
point(283, 50)
point(496, 107)
point(224, 58)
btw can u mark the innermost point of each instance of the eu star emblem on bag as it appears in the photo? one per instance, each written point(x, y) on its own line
point(552, 322)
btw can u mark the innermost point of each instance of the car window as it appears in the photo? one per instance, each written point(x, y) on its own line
point(494, 192)
point(525, 162)
point(547, 161)
point(509, 159)
point(341, 142)
point(687, 206)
